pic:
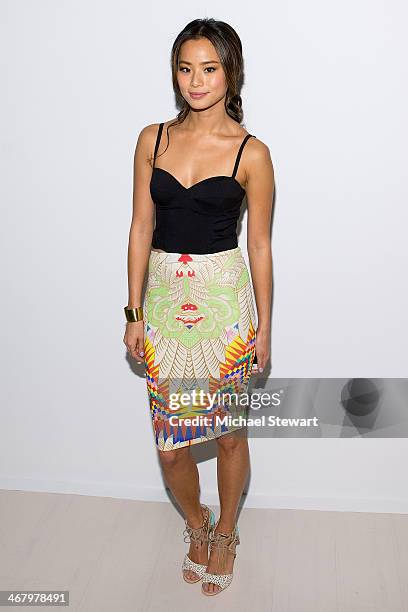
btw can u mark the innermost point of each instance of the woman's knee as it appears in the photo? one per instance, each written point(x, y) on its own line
point(232, 442)
point(171, 458)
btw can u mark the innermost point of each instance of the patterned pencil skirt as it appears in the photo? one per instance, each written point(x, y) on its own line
point(199, 326)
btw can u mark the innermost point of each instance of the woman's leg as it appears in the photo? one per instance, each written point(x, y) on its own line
point(232, 472)
point(181, 474)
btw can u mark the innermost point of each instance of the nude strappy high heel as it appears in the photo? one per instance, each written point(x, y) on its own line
point(200, 535)
point(223, 543)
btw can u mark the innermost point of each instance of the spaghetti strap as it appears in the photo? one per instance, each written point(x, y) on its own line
point(240, 153)
point(159, 133)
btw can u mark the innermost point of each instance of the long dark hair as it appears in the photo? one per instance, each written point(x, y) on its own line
point(229, 48)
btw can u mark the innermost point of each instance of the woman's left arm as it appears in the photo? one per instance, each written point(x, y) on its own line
point(260, 185)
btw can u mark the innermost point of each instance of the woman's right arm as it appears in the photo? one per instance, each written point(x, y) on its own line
point(140, 236)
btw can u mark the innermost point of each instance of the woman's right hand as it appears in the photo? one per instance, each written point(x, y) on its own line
point(134, 339)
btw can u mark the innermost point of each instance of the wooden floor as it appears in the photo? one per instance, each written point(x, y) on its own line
point(122, 555)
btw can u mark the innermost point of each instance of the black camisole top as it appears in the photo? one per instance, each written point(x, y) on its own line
point(199, 219)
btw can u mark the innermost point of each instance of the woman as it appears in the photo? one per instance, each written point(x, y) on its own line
point(195, 331)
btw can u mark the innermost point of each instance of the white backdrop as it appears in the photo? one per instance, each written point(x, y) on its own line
point(324, 89)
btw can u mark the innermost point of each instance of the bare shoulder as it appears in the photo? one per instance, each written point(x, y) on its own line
point(147, 137)
point(150, 131)
point(257, 151)
point(148, 134)
point(146, 141)
point(257, 157)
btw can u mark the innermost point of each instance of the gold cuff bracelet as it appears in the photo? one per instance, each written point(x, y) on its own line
point(133, 314)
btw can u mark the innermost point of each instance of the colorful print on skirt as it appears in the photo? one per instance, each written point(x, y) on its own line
point(199, 345)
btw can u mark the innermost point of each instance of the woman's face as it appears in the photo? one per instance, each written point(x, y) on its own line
point(200, 72)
